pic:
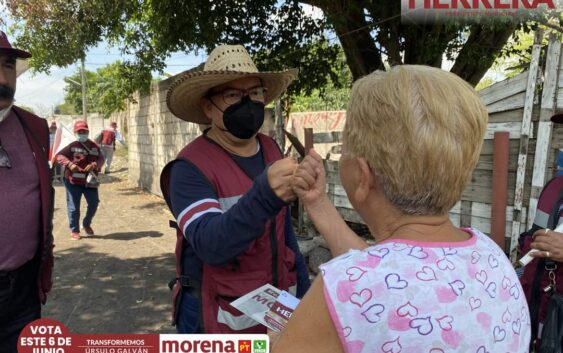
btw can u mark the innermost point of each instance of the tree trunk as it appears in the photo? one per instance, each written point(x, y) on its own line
point(354, 32)
point(480, 51)
point(409, 43)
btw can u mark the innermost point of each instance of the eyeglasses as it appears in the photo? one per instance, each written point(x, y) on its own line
point(4, 159)
point(233, 96)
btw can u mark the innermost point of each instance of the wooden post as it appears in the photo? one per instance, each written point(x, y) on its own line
point(308, 132)
point(545, 125)
point(466, 208)
point(500, 188)
point(524, 140)
point(280, 136)
point(308, 139)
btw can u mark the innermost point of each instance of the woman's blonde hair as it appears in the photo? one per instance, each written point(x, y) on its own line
point(421, 130)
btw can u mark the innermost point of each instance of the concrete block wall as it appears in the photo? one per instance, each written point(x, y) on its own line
point(154, 136)
point(95, 121)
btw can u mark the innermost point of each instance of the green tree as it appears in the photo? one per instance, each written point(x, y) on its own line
point(332, 96)
point(105, 93)
point(66, 109)
point(278, 33)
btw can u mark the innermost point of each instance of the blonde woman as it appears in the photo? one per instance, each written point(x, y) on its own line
point(412, 138)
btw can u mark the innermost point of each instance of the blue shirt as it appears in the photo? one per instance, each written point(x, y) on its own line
point(209, 235)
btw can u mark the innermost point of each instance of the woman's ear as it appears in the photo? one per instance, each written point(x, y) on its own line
point(365, 180)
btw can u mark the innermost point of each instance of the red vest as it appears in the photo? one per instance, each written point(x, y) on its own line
point(80, 156)
point(37, 135)
point(536, 273)
point(267, 259)
point(108, 137)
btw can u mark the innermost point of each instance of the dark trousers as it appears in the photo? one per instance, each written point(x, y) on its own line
point(73, 195)
point(19, 303)
point(188, 315)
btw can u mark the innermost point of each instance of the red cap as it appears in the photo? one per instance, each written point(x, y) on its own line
point(80, 125)
point(5, 46)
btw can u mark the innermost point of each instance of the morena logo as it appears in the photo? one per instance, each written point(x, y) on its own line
point(481, 4)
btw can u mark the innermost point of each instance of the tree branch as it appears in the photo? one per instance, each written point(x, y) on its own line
point(480, 51)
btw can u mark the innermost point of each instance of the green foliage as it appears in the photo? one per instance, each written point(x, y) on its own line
point(484, 83)
point(66, 109)
point(105, 90)
point(279, 34)
point(333, 96)
point(59, 32)
point(29, 109)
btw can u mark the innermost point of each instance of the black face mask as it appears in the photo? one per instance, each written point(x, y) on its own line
point(244, 119)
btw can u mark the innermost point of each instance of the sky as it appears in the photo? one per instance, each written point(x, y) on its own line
point(43, 92)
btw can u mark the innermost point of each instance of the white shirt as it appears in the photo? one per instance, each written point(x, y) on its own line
point(4, 112)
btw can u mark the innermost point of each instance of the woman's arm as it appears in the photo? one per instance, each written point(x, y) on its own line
point(309, 183)
point(310, 328)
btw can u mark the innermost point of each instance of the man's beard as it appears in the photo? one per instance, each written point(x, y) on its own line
point(7, 92)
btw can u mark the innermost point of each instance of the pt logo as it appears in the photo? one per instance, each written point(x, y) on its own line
point(259, 346)
point(244, 346)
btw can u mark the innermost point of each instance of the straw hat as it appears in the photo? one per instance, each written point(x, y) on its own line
point(224, 64)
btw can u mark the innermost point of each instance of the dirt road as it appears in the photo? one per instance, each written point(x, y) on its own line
point(115, 281)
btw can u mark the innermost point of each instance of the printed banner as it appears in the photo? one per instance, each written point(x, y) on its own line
point(51, 336)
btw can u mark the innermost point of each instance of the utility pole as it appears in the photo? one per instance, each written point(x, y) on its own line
point(83, 74)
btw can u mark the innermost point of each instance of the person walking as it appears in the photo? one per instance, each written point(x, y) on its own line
point(82, 160)
point(107, 139)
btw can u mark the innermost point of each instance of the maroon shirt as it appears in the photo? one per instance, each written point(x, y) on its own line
point(80, 154)
point(20, 209)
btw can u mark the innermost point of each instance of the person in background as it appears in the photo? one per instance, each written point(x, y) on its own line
point(80, 158)
point(26, 207)
point(107, 139)
point(52, 131)
point(56, 168)
point(541, 278)
point(411, 140)
point(229, 191)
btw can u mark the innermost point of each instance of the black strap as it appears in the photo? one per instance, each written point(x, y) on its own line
point(535, 301)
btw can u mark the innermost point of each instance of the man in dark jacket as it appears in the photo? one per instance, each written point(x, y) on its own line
point(26, 207)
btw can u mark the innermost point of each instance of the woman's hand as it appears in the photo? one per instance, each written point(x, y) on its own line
point(274, 336)
point(549, 244)
point(309, 181)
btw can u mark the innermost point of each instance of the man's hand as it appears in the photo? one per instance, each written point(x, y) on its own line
point(89, 168)
point(549, 243)
point(309, 181)
point(279, 178)
point(73, 167)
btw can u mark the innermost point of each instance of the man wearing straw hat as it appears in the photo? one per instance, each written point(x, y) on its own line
point(26, 207)
point(229, 190)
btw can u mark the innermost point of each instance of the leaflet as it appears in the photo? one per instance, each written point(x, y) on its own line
point(268, 306)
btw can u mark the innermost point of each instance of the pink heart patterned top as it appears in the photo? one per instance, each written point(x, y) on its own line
point(404, 296)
